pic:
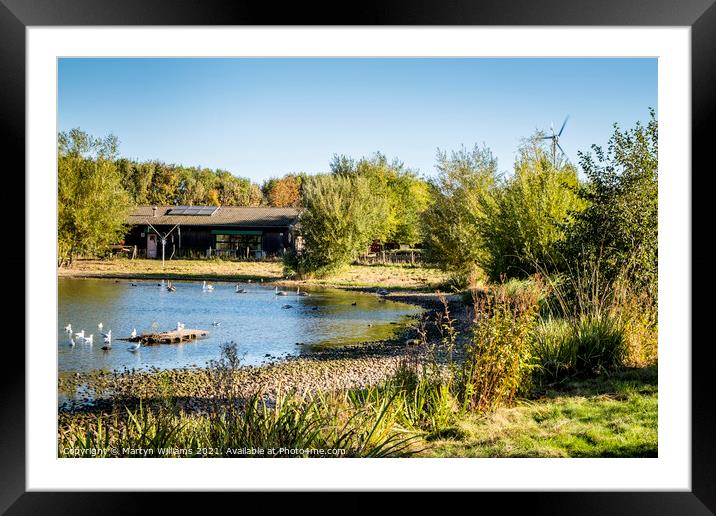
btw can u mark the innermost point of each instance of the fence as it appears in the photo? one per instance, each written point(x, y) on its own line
point(411, 257)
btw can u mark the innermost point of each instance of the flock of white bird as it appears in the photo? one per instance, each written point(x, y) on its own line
point(83, 338)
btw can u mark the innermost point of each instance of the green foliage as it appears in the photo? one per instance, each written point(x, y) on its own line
point(91, 203)
point(403, 195)
point(588, 344)
point(463, 197)
point(341, 218)
point(498, 358)
point(532, 210)
point(619, 227)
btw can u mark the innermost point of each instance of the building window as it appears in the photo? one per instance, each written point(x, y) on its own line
point(238, 243)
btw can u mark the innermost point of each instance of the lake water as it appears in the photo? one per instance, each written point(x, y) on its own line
point(257, 321)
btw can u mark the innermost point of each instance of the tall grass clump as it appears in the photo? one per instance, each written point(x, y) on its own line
point(498, 357)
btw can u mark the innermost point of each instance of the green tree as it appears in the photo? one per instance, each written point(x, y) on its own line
point(463, 195)
point(403, 195)
point(532, 212)
point(619, 227)
point(340, 218)
point(92, 205)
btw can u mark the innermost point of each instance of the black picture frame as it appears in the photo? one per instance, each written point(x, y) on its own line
point(700, 15)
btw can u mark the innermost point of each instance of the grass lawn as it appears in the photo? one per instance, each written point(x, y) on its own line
point(609, 416)
point(386, 276)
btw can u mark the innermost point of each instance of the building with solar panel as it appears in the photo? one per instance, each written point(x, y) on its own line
point(209, 231)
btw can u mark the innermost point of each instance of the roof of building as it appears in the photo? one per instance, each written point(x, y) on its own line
point(221, 216)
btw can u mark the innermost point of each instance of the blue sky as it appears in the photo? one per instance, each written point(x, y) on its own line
point(262, 118)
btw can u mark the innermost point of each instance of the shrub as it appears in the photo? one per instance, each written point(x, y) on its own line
point(497, 360)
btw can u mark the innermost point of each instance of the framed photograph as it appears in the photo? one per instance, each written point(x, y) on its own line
point(452, 246)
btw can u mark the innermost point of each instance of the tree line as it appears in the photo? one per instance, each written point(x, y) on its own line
point(471, 219)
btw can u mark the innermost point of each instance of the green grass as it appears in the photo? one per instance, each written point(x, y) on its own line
point(606, 416)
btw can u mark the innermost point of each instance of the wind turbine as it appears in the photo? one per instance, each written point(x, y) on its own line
point(555, 141)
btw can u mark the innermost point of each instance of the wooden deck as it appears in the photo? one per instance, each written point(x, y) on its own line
point(168, 337)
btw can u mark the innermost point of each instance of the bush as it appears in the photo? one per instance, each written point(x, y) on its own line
point(498, 360)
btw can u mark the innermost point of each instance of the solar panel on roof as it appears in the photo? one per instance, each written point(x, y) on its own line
point(193, 210)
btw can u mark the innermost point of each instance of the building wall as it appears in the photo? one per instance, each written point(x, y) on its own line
point(200, 238)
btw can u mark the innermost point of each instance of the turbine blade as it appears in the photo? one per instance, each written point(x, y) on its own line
point(563, 124)
point(561, 149)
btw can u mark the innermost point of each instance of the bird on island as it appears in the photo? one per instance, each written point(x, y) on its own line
point(206, 287)
point(89, 340)
point(133, 334)
point(134, 347)
point(80, 335)
point(180, 326)
point(100, 326)
point(68, 329)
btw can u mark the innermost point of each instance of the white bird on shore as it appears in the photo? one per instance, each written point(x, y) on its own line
point(68, 329)
point(133, 334)
point(180, 326)
point(89, 340)
point(80, 335)
point(207, 287)
point(100, 326)
point(134, 347)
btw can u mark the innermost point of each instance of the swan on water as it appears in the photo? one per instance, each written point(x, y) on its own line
point(281, 293)
point(299, 293)
point(89, 340)
point(80, 335)
point(107, 335)
point(216, 323)
point(204, 286)
point(100, 326)
point(68, 329)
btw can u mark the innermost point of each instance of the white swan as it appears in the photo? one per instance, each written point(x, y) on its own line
point(89, 340)
point(133, 334)
point(100, 326)
point(68, 329)
point(180, 326)
point(134, 347)
point(281, 293)
point(107, 335)
point(299, 293)
point(80, 335)
point(207, 287)
point(216, 323)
